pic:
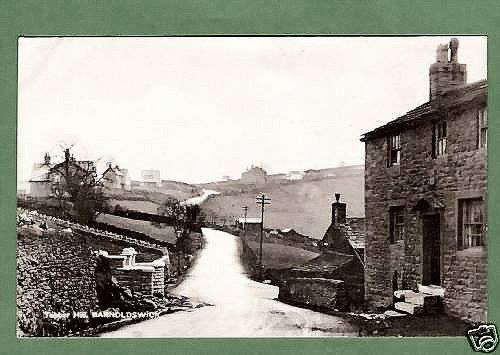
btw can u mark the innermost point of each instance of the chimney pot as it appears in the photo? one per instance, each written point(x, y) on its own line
point(446, 73)
point(338, 211)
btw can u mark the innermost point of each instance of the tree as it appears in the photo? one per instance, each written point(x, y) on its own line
point(76, 186)
point(183, 219)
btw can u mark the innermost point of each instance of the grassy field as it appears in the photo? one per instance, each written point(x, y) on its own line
point(303, 205)
point(143, 206)
point(277, 256)
point(165, 233)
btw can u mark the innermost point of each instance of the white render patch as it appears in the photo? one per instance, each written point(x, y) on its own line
point(431, 290)
point(409, 308)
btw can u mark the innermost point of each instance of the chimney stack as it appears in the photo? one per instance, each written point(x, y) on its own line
point(67, 156)
point(446, 73)
point(338, 211)
point(46, 159)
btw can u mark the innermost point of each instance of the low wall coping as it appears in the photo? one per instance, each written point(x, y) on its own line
point(136, 267)
point(322, 279)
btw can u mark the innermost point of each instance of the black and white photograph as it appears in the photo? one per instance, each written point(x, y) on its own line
point(253, 186)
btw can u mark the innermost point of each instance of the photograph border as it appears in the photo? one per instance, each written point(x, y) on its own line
point(236, 18)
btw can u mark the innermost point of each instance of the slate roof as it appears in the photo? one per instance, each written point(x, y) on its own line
point(356, 238)
point(324, 264)
point(453, 97)
point(40, 172)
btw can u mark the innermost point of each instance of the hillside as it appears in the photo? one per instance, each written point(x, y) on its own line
point(147, 200)
point(304, 205)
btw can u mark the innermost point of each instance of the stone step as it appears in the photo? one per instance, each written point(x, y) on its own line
point(402, 293)
point(431, 290)
point(394, 314)
point(409, 308)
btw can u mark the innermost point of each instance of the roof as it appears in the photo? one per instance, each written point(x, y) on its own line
point(324, 264)
point(249, 220)
point(86, 165)
point(355, 238)
point(453, 97)
point(40, 172)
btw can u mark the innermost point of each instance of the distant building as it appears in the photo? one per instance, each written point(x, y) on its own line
point(255, 175)
point(84, 170)
point(252, 223)
point(295, 175)
point(47, 178)
point(116, 178)
point(150, 179)
point(39, 182)
point(425, 196)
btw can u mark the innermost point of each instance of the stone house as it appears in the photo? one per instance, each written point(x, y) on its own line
point(46, 177)
point(425, 196)
point(335, 278)
point(116, 178)
point(39, 182)
point(255, 175)
point(150, 179)
point(83, 170)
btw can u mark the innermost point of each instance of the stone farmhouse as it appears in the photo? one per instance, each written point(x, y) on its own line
point(425, 197)
point(116, 178)
point(255, 175)
point(46, 177)
point(335, 278)
point(39, 182)
point(150, 179)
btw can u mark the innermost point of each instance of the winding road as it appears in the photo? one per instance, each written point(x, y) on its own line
point(239, 307)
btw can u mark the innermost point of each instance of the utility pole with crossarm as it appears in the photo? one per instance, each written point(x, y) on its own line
point(262, 200)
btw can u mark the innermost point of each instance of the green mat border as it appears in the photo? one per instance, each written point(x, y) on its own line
point(258, 17)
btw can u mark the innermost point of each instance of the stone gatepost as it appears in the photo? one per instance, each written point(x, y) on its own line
point(129, 254)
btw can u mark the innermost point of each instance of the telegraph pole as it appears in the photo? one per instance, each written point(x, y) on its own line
point(262, 200)
point(245, 209)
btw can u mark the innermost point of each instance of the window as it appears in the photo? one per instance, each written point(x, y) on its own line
point(471, 224)
point(394, 154)
point(397, 224)
point(439, 139)
point(482, 119)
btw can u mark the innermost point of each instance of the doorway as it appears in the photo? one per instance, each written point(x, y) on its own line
point(431, 250)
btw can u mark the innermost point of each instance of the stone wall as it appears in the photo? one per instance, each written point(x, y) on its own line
point(314, 292)
point(145, 281)
point(460, 173)
point(55, 273)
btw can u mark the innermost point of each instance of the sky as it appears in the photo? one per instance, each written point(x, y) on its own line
point(200, 108)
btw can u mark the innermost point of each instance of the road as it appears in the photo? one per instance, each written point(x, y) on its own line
point(239, 307)
point(198, 200)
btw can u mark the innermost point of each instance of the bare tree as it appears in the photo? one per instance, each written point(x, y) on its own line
point(78, 189)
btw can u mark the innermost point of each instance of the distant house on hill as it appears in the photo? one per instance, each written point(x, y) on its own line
point(255, 175)
point(276, 177)
point(295, 175)
point(150, 179)
point(116, 178)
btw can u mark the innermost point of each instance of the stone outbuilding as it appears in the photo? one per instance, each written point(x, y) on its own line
point(425, 196)
point(334, 279)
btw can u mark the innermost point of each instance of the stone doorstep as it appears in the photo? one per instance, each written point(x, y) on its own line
point(409, 308)
point(394, 314)
point(431, 290)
